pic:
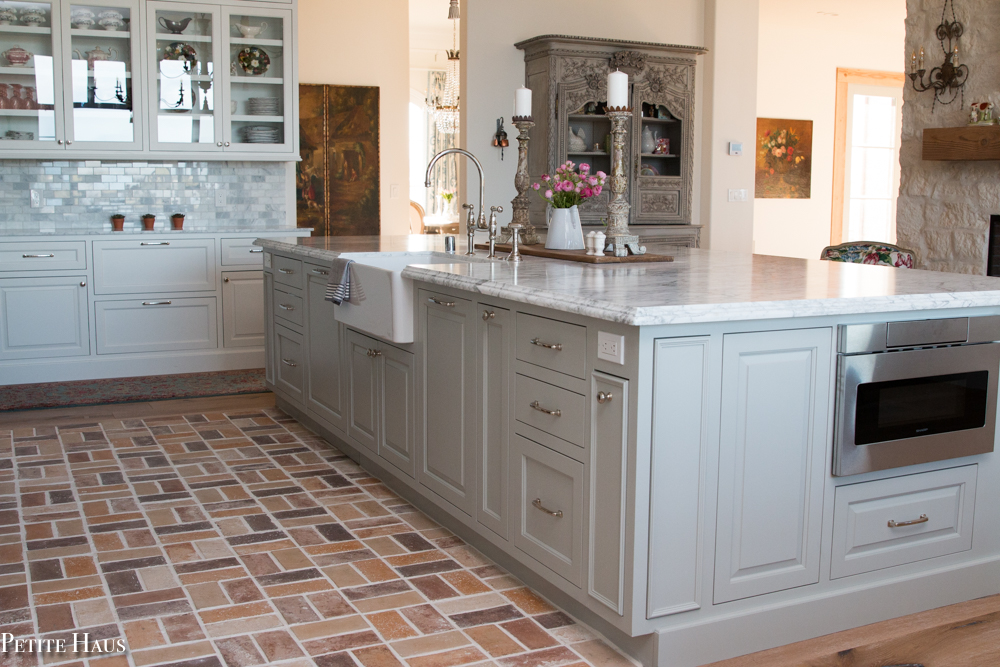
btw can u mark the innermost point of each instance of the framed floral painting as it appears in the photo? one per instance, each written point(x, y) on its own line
point(784, 159)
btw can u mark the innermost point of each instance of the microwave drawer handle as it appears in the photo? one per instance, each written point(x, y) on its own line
point(923, 519)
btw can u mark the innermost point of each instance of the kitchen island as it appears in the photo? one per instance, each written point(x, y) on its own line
point(649, 445)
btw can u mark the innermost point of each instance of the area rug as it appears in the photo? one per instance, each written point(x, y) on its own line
point(131, 390)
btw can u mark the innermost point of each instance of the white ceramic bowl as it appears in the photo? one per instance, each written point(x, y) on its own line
point(110, 14)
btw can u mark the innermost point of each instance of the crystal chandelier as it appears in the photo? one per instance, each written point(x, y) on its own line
point(446, 107)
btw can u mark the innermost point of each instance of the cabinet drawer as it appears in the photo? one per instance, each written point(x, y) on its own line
point(152, 265)
point(289, 362)
point(537, 401)
point(241, 252)
point(552, 344)
point(938, 506)
point(43, 256)
point(287, 271)
point(155, 325)
point(549, 508)
point(288, 307)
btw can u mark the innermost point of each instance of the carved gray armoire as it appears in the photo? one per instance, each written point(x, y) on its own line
point(569, 80)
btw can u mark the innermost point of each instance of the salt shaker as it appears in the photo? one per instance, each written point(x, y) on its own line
point(599, 243)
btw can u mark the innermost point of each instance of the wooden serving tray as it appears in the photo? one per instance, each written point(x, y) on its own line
point(578, 255)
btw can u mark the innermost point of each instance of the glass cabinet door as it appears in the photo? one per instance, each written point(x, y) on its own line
point(183, 51)
point(100, 55)
point(657, 168)
point(29, 78)
point(260, 107)
point(587, 140)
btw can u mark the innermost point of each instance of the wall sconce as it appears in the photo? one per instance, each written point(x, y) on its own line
point(948, 80)
point(500, 138)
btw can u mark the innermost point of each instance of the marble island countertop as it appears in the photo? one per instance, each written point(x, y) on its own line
point(699, 286)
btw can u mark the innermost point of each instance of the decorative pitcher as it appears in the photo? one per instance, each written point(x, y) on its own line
point(565, 230)
point(648, 141)
point(97, 54)
point(250, 31)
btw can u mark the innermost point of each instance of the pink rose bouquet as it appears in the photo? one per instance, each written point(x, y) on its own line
point(571, 185)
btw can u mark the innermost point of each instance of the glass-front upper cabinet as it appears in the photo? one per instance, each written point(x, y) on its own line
point(29, 78)
point(660, 155)
point(259, 97)
point(184, 49)
point(100, 65)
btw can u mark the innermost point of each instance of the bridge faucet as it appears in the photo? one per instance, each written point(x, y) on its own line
point(482, 195)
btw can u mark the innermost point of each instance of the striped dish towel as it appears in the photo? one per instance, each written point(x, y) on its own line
point(338, 290)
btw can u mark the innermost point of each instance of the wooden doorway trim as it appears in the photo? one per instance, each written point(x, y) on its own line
point(845, 77)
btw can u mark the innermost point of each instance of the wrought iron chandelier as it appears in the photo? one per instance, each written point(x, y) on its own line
point(446, 107)
point(948, 80)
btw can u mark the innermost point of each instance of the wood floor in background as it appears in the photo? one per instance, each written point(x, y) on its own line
point(961, 635)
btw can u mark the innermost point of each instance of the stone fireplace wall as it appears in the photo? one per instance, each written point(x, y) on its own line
point(944, 207)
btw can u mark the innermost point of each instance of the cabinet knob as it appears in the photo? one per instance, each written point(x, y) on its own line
point(226, 144)
point(59, 141)
point(374, 353)
point(69, 142)
point(604, 397)
point(225, 280)
point(219, 144)
point(83, 283)
point(488, 315)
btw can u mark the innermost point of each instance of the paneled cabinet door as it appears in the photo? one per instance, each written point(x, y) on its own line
point(447, 420)
point(362, 386)
point(183, 75)
point(242, 309)
point(324, 386)
point(269, 343)
point(43, 317)
point(397, 393)
point(493, 360)
point(772, 461)
point(102, 98)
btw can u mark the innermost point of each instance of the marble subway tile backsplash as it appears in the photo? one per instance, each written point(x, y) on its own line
point(81, 196)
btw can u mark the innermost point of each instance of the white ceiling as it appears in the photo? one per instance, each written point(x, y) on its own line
point(430, 29)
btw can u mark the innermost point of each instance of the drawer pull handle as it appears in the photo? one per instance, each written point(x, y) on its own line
point(253, 250)
point(488, 315)
point(549, 346)
point(448, 304)
point(285, 306)
point(36, 256)
point(923, 519)
point(321, 272)
point(286, 271)
point(603, 397)
point(374, 353)
point(537, 503)
point(289, 363)
point(157, 303)
point(535, 405)
point(155, 243)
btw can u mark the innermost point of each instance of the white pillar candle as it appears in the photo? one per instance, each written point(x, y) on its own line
point(522, 102)
point(618, 89)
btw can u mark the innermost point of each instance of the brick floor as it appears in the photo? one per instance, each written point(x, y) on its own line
point(239, 538)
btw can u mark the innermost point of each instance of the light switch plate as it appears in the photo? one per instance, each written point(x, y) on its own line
point(611, 347)
point(738, 195)
point(736, 148)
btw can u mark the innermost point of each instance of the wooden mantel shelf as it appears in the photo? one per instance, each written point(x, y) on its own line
point(973, 142)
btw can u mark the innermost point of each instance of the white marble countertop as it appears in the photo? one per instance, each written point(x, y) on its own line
point(699, 286)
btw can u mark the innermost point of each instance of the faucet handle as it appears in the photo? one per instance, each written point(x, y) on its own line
point(496, 209)
point(468, 207)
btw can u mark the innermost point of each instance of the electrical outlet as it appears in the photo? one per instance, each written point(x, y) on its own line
point(611, 347)
point(220, 197)
point(36, 199)
point(738, 195)
point(394, 191)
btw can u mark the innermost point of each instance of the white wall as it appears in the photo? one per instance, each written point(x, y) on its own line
point(493, 68)
point(800, 50)
point(366, 44)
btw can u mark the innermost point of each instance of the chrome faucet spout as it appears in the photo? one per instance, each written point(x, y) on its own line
point(482, 188)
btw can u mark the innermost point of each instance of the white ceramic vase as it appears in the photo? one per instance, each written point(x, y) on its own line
point(565, 230)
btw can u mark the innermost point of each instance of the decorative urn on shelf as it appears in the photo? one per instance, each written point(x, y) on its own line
point(17, 56)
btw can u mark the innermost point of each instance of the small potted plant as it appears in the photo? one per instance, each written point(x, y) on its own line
point(177, 220)
point(148, 220)
point(117, 222)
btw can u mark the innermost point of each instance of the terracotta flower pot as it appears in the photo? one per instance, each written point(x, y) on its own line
point(177, 221)
point(117, 223)
point(148, 222)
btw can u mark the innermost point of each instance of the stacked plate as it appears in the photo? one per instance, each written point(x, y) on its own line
point(262, 106)
point(261, 134)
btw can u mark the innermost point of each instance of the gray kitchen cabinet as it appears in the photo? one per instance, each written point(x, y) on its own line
point(43, 317)
point(397, 393)
point(493, 361)
point(289, 362)
point(775, 394)
point(447, 420)
point(155, 325)
point(150, 265)
point(323, 335)
point(362, 387)
point(242, 309)
point(269, 346)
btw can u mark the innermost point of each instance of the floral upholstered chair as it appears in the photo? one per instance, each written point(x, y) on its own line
point(870, 252)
